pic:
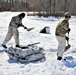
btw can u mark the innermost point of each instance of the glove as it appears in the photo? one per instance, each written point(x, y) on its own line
point(25, 27)
point(69, 29)
point(66, 38)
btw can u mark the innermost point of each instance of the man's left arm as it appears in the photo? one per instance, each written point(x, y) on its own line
point(23, 26)
point(65, 26)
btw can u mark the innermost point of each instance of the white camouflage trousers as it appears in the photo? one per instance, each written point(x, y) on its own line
point(61, 45)
point(12, 31)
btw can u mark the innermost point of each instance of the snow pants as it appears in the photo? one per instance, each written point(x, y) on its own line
point(61, 45)
point(12, 31)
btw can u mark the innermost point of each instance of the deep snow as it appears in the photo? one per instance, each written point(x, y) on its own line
point(50, 66)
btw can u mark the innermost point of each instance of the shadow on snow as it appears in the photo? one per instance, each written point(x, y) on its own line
point(70, 62)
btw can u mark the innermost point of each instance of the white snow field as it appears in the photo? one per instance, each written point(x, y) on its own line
point(50, 66)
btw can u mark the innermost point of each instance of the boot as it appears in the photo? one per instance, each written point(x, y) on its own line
point(4, 46)
point(18, 46)
point(59, 58)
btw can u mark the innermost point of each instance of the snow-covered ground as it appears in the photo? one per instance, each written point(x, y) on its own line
point(50, 66)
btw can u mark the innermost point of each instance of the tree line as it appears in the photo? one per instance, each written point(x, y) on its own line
point(48, 6)
point(56, 6)
point(12, 5)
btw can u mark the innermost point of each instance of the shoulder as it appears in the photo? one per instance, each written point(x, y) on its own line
point(15, 17)
point(64, 21)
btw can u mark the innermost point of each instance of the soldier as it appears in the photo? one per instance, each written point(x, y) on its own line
point(16, 22)
point(61, 30)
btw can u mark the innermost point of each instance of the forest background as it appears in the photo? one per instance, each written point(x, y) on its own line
point(50, 7)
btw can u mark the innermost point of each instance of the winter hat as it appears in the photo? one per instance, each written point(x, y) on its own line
point(22, 15)
point(67, 15)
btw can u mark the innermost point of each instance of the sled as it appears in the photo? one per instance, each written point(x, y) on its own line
point(24, 52)
point(26, 55)
point(32, 58)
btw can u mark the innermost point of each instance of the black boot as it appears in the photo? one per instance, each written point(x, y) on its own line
point(59, 58)
point(18, 46)
point(4, 46)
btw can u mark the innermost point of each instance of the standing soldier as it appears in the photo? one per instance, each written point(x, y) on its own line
point(16, 22)
point(61, 30)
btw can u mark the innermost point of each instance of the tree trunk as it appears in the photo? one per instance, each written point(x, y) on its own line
point(50, 5)
point(54, 7)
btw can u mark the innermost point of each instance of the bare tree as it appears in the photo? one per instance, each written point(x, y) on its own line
point(50, 6)
point(54, 6)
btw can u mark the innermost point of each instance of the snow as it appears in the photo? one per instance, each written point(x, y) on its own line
point(49, 66)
